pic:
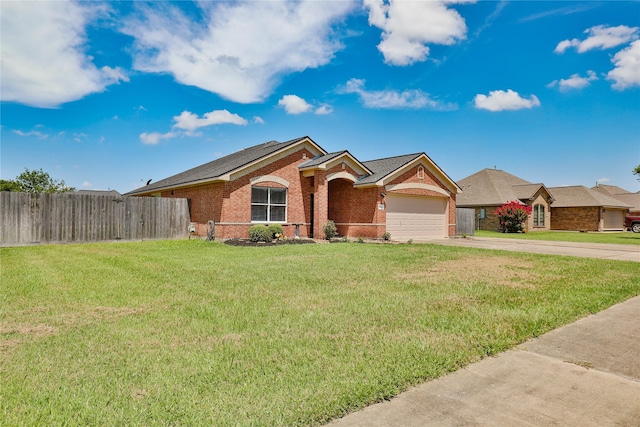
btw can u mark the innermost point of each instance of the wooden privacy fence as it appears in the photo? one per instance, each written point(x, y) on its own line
point(465, 221)
point(27, 218)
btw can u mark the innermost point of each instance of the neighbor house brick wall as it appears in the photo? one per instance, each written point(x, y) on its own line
point(576, 219)
point(490, 222)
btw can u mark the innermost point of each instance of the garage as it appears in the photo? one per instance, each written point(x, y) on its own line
point(416, 218)
point(613, 219)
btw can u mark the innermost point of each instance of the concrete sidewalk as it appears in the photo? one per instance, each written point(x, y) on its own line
point(588, 250)
point(583, 374)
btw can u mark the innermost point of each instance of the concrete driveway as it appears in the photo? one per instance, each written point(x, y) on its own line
point(588, 250)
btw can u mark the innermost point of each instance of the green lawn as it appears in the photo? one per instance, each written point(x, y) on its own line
point(622, 238)
point(198, 333)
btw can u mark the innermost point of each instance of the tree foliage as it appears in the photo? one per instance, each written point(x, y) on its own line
point(35, 181)
point(9, 185)
point(636, 171)
point(512, 216)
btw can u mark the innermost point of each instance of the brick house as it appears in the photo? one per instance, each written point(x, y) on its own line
point(580, 208)
point(625, 196)
point(488, 189)
point(559, 208)
point(301, 186)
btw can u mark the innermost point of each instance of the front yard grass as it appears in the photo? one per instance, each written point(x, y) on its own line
point(621, 238)
point(200, 333)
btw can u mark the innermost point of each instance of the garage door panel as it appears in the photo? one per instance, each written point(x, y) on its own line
point(613, 219)
point(416, 218)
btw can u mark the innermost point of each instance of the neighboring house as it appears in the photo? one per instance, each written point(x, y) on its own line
point(488, 189)
point(301, 186)
point(627, 197)
point(581, 208)
point(560, 208)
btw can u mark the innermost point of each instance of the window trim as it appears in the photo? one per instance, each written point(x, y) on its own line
point(269, 205)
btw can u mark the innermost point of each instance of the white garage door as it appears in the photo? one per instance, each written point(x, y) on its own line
point(416, 218)
point(613, 219)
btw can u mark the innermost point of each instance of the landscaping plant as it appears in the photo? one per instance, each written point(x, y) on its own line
point(512, 216)
point(260, 233)
point(330, 230)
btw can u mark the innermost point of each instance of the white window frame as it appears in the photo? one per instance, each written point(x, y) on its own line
point(269, 204)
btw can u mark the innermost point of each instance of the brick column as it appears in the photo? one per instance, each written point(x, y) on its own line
point(321, 203)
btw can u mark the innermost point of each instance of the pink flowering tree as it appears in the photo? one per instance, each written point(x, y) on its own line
point(512, 216)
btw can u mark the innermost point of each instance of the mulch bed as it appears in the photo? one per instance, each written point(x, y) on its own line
point(247, 242)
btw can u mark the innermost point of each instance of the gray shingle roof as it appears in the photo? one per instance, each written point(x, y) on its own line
point(493, 187)
point(383, 167)
point(610, 190)
point(632, 199)
point(218, 167)
point(581, 196)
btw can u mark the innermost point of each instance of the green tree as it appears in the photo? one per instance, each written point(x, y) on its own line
point(636, 171)
point(9, 185)
point(39, 181)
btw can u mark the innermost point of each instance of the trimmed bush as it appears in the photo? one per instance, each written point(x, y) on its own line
point(275, 229)
point(260, 233)
point(330, 230)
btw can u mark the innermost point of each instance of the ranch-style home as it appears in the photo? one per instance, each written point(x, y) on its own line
point(576, 208)
point(301, 186)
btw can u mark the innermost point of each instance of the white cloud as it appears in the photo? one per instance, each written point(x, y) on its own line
point(293, 104)
point(627, 67)
point(499, 100)
point(43, 62)
point(259, 120)
point(239, 50)
point(190, 122)
point(35, 133)
point(600, 37)
point(155, 137)
point(408, 26)
point(324, 109)
point(574, 82)
point(86, 184)
point(389, 99)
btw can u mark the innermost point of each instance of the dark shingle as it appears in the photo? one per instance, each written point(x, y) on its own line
point(218, 167)
point(383, 167)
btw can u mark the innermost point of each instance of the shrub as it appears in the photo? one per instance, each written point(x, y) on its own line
point(386, 235)
point(260, 233)
point(330, 230)
point(276, 231)
point(512, 216)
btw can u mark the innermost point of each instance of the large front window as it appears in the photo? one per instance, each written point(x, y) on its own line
point(268, 204)
point(538, 216)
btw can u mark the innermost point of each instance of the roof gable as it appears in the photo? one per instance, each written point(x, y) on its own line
point(387, 169)
point(329, 160)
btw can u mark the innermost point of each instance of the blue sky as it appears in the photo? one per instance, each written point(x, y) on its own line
point(109, 95)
